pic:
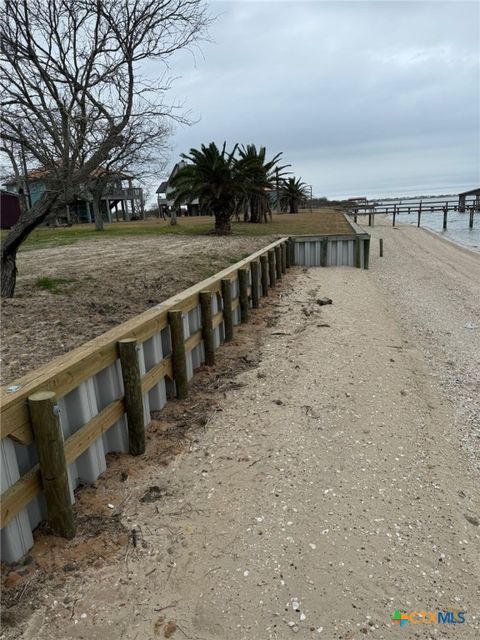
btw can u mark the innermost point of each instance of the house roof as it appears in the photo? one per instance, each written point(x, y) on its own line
point(472, 192)
point(35, 174)
point(42, 173)
point(163, 187)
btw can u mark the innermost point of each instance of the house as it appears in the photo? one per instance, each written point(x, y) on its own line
point(462, 199)
point(9, 209)
point(119, 197)
point(165, 196)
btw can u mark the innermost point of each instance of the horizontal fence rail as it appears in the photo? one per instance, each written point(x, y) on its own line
point(98, 398)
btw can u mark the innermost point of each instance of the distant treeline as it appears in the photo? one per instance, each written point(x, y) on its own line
point(318, 203)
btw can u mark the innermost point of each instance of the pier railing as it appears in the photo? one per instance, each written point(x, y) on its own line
point(371, 209)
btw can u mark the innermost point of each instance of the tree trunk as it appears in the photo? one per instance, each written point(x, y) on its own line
point(27, 222)
point(9, 273)
point(97, 216)
point(292, 206)
point(222, 224)
point(254, 217)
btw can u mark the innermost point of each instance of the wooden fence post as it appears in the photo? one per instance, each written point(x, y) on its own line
point(283, 252)
point(243, 294)
point(366, 252)
point(207, 327)
point(264, 270)
point(271, 268)
point(179, 360)
point(323, 252)
point(227, 308)
point(394, 214)
point(445, 212)
point(380, 241)
point(132, 385)
point(292, 252)
point(358, 261)
point(51, 457)
point(255, 272)
point(278, 262)
point(419, 213)
point(287, 254)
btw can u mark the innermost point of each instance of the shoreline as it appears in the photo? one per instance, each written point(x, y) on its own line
point(438, 305)
point(439, 234)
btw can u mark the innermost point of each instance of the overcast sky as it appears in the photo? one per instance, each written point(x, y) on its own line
point(362, 98)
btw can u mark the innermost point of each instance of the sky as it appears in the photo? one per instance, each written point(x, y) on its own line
point(362, 98)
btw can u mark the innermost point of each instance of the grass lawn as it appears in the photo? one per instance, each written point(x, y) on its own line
point(318, 221)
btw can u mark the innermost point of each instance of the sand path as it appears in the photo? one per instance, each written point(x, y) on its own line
point(332, 488)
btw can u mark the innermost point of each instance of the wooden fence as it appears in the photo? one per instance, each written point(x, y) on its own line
point(59, 422)
point(98, 398)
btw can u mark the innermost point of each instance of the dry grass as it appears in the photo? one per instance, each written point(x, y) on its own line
point(319, 221)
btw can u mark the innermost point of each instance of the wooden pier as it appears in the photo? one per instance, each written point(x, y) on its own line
point(417, 207)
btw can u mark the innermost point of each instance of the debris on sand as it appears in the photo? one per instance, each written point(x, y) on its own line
point(324, 301)
point(154, 493)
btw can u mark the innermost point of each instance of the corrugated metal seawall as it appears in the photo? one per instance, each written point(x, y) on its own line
point(87, 400)
point(331, 251)
point(83, 403)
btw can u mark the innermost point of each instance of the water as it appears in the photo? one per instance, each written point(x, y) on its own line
point(457, 223)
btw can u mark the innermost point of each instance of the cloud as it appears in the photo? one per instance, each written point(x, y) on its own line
point(376, 97)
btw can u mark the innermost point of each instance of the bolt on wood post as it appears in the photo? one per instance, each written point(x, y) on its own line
point(366, 252)
point(53, 466)
point(323, 252)
point(179, 358)
point(358, 261)
point(255, 272)
point(283, 252)
point(278, 262)
point(227, 308)
point(264, 270)
point(132, 385)
point(243, 294)
point(205, 298)
point(271, 268)
point(380, 242)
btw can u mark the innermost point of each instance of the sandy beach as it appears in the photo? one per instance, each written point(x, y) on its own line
point(333, 481)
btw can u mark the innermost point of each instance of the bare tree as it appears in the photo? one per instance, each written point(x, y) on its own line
point(73, 86)
point(143, 153)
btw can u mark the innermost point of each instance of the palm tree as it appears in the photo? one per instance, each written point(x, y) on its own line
point(216, 178)
point(292, 193)
point(261, 176)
